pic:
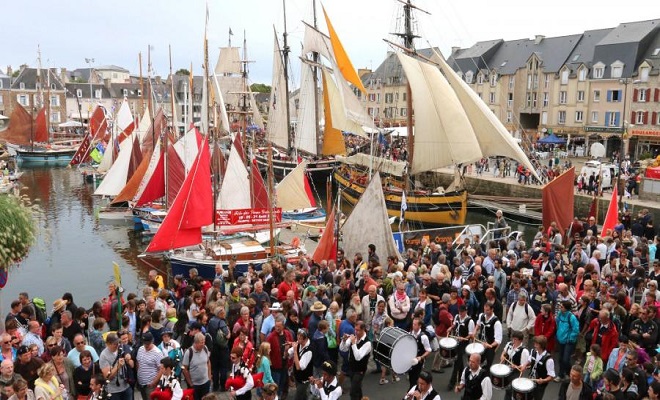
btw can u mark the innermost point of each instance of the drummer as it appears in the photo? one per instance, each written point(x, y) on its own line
point(423, 350)
point(460, 329)
point(489, 331)
point(475, 381)
point(543, 366)
point(516, 355)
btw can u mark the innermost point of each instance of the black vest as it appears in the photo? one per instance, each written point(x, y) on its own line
point(355, 365)
point(473, 385)
point(539, 367)
point(302, 375)
point(461, 327)
point(488, 328)
point(420, 346)
point(517, 355)
point(429, 396)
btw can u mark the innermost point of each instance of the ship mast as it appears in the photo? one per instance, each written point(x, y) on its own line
point(315, 75)
point(285, 60)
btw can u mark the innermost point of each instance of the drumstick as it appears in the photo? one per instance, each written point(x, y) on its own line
point(458, 337)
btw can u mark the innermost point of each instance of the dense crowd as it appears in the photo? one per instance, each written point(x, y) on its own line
point(582, 311)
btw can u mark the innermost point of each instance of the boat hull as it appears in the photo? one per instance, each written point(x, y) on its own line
point(319, 170)
point(45, 157)
point(181, 264)
point(429, 208)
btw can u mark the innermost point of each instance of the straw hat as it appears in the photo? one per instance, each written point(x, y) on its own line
point(58, 305)
point(318, 306)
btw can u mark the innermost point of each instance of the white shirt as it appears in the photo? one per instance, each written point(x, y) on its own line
point(414, 389)
point(497, 326)
point(306, 358)
point(521, 318)
point(457, 320)
point(510, 351)
point(249, 382)
point(486, 385)
point(335, 394)
point(424, 339)
point(549, 365)
point(177, 392)
point(357, 353)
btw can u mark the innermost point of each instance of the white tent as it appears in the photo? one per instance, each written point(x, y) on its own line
point(71, 124)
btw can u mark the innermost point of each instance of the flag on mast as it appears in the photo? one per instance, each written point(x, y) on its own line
point(404, 205)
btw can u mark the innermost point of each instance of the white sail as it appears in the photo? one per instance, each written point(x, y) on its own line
point(355, 111)
point(493, 137)
point(186, 149)
point(143, 130)
point(235, 190)
point(257, 119)
point(220, 103)
point(338, 110)
point(306, 134)
point(316, 42)
point(369, 224)
point(117, 176)
point(229, 61)
point(106, 161)
point(290, 192)
point(231, 88)
point(124, 117)
point(443, 133)
point(278, 132)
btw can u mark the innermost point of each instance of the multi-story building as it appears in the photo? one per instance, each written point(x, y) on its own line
point(82, 99)
point(31, 88)
point(5, 82)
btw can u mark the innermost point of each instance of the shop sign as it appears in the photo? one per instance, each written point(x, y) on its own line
point(603, 129)
point(645, 132)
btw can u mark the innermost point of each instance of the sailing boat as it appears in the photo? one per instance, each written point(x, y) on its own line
point(342, 111)
point(452, 127)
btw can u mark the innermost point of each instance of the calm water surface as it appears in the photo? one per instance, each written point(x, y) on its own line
point(74, 252)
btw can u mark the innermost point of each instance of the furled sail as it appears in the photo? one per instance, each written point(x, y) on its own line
point(443, 133)
point(278, 131)
point(369, 223)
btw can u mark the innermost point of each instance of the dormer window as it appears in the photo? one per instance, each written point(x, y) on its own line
point(124, 92)
point(493, 79)
point(468, 77)
point(480, 79)
point(644, 74)
point(21, 85)
point(564, 76)
point(599, 71)
point(617, 69)
point(582, 74)
point(79, 93)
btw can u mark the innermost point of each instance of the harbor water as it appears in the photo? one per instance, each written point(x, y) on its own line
point(74, 252)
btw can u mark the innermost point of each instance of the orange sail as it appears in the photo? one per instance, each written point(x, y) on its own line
point(343, 62)
point(333, 140)
point(131, 188)
point(41, 127)
point(327, 248)
point(558, 199)
point(20, 127)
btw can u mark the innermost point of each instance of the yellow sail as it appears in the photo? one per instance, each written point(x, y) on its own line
point(341, 58)
point(333, 140)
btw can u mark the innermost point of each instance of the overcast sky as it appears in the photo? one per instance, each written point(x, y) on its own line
point(115, 31)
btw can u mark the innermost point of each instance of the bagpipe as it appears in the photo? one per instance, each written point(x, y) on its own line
point(238, 381)
point(164, 391)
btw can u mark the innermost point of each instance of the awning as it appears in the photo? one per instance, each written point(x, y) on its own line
point(71, 124)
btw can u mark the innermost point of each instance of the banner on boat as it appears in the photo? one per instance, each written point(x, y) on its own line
point(254, 216)
point(413, 239)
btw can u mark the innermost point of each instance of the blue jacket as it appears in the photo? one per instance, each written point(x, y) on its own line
point(568, 327)
point(612, 359)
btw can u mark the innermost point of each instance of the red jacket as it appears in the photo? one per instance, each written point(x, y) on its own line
point(610, 338)
point(546, 327)
point(276, 355)
point(284, 287)
point(445, 320)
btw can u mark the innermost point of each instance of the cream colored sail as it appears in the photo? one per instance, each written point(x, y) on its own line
point(369, 223)
point(231, 88)
point(107, 160)
point(256, 114)
point(493, 137)
point(229, 61)
point(306, 133)
point(347, 119)
point(220, 104)
point(143, 127)
point(290, 192)
point(278, 132)
point(443, 133)
point(235, 190)
point(316, 42)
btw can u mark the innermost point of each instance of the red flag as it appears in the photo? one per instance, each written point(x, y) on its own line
point(327, 248)
point(558, 200)
point(612, 216)
point(592, 209)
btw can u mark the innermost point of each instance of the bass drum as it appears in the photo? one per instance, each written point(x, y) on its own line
point(395, 349)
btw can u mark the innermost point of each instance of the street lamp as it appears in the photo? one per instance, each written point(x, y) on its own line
point(89, 62)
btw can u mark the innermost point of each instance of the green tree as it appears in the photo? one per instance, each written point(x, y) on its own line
point(260, 88)
point(17, 229)
point(182, 71)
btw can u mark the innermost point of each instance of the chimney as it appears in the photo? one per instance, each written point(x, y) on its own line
point(23, 66)
point(538, 39)
point(454, 49)
point(9, 71)
point(63, 77)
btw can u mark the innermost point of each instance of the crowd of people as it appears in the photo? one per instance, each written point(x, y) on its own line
point(581, 311)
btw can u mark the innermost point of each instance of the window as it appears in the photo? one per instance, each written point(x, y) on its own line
point(512, 82)
point(579, 115)
point(389, 98)
point(404, 96)
point(612, 118)
point(575, 58)
point(79, 93)
point(480, 95)
point(396, 97)
point(639, 118)
point(23, 100)
point(55, 101)
point(599, 72)
point(98, 93)
point(644, 74)
point(1, 83)
point(641, 95)
point(596, 95)
point(55, 117)
point(564, 77)
point(53, 86)
point(617, 69)
point(529, 81)
point(614, 96)
point(491, 98)
point(544, 118)
point(546, 81)
point(534, 100)
point(528, 102)
point(480, 79)
point(468, 77)
point(21, 85)
point(580, 96)
point(403, 112)
point(561, 119)
point(594, 117)
point(536, 81)
point(124, 92)
point(509, 101)
point(582, 75)
point(656, 51)
point(562, 97)
point(509, 116)
point(493, 79)
point(378, 97)
point(546, 99)
point(372, 96)
point(370, 111)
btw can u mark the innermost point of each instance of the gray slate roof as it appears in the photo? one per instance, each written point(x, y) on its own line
point(626, 43)
point(28, 76)
point(72, 89)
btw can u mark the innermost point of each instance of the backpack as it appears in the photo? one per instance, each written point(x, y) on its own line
point(526, 308)
point(39, 308)
point(221, 340)
point(177, 356)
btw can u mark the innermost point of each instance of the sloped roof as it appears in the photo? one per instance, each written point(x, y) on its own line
point(111, 68)
point(72, 89)
point(630, 32)
point(28, 76)
point(626, 43)
point(652, 54)
point(583, 53)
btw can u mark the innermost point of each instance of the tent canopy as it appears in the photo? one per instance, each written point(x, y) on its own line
point(552, 139)
point(71, 124)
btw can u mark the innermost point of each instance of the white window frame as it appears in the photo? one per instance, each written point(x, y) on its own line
point(79, 93)
point(644, 74)
point(641, 96)
point(509, 101)
point(594, 117)
point(596, 95)
point(21, 85)
point(480, 78)
point(561, 117)
point(579, 116)
point(404, 112)
point(617, 69)
point(468, 77)
point(546, 81)
point(599, 70)
point(580, 96)
point(612, 121)
point(582, 75)
point(493, 79)
point(509, 116)
point(564, 77)
point(563, 96)
point(491, 97)
point(639, 118)
point(98, 93)
point(512, 82)
point(546, 99)
point(55, 100)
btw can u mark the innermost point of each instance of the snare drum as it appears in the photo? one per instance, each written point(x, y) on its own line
point(500, 375)
point(523, 389)
point(475, 348)
point(395, 349)
point(448, 348)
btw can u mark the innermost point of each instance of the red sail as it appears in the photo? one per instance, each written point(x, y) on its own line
point(612, 217)
point(155, 187)
point(238, 143)
point(192, 208)
point(176, 173)
point(558, 200)
point(308, 191)
point(327, 248)
point(83, 150)
point(98, 124)
point(41, 127)
point(136, 157)
point(20, 127)
point(258, 190)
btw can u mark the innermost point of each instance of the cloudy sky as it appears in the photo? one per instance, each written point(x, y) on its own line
point(115, 31)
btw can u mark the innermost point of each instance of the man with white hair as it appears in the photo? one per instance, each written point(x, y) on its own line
point(499, 225)
point(521, 317)
point(563, 294)
point(594, 261)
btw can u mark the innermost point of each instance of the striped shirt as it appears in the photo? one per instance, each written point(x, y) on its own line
point(148, 364)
